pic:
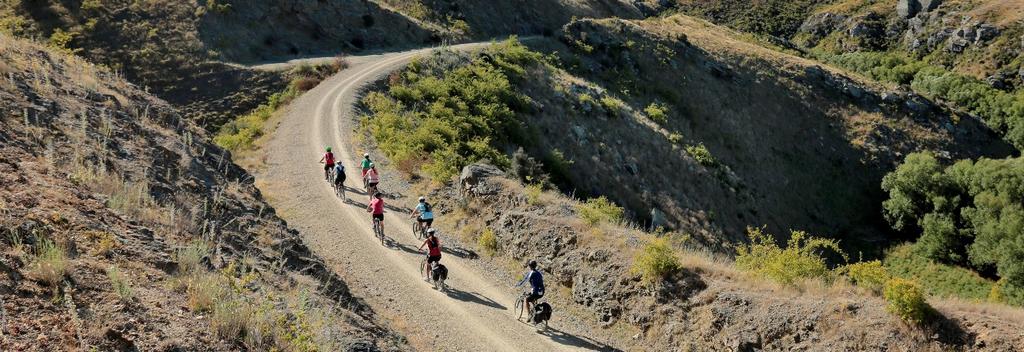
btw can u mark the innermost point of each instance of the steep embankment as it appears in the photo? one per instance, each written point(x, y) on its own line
point(123, 229)
point(719, 134)
point(177, 49)
point(706, 304)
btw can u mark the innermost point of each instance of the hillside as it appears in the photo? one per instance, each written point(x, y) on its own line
point(657, 290)
point(645, 114)
point(124, 229)
point(178, 49)
point(706, 303)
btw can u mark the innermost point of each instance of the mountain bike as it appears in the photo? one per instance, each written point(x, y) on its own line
point(339, 189)
point(378, 230)
point(419, 231)
point(329, 175)
point(520, 309)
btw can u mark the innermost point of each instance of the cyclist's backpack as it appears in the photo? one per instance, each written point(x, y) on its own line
point(541, 312)
point(439, 272)
point(427, 207)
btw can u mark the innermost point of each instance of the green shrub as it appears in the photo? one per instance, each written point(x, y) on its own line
point(909, 262)
point(800, 259)
point(205, 292)
point(701, 154)
point(968, 212)
point(600, 210)
point(657, 112)
point(612, 105)
point(906, 300)
point(190, 258)
point(488, 242)
point(230, 317)
point(558, 165)
point(533, 193)
point(870, 275)
point(656, 261)
point(49, 264)
point(450, 111)
point(120, 283)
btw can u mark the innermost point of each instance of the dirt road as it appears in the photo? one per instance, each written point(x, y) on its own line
point(475, 315)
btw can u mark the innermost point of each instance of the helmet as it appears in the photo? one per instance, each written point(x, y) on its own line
point(378, 194)
point(431, 231)
point(372, 166)
point(532, 264)
point(328, 148)
point(366, 155)
point(422, 199)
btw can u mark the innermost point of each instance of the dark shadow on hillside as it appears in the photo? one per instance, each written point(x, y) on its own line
point(350, 26)
point(949, 331)
point(473, 297)
point(781, 152)
point(567, 339)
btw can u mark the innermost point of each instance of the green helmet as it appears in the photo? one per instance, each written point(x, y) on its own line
point(328, 148)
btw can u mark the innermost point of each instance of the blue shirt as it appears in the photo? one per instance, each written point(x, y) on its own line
point(536, 281)
point(424, 214)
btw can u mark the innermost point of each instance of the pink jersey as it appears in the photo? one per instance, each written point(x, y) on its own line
point(378, 206)
point(372, 176)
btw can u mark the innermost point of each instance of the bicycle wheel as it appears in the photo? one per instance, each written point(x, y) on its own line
point(380, 232)
point(519, 308)
point(415, 228)
point(423, 267)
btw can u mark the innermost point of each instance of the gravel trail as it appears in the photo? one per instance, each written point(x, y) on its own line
point(474, 315)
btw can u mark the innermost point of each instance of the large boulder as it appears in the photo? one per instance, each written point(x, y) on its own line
point(908, 8)
point(821, 25)
point(473, 177)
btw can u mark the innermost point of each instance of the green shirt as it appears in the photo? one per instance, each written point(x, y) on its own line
point(366, 163)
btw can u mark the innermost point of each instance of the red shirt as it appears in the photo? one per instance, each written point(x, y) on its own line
point(329, 158)
point(435, 250)
point(378, 206)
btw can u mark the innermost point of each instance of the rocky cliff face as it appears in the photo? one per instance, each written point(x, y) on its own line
point(983, 39)
point(123, 187)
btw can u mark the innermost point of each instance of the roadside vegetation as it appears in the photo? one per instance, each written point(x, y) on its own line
point(240, 133)
point(449, 110)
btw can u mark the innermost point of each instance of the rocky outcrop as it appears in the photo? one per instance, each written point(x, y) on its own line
point(910, 8)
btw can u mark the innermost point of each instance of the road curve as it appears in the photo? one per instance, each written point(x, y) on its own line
point(474, 316)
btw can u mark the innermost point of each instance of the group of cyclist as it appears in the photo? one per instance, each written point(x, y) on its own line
point(424, 214)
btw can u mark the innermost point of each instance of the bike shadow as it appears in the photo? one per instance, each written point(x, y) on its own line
point(409, 249)
point(568, 339)
point(473, 297)
point(460, 252)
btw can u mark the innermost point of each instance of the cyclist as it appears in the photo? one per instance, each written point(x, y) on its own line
point(339, 176)
point(372, 178)
point(536, 283)
point(434, 253)
point(376, 208)
point(328, 161)
point(366, 163)
point(424, 214)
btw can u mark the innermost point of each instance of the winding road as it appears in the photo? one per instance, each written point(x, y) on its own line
point(475, 315)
